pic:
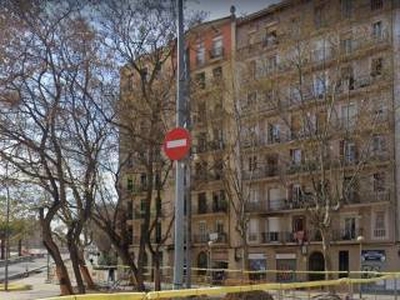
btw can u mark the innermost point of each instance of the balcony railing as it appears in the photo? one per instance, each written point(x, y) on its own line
point(217, 207)
point(253, 206)
point(217, 52)
point(261, 172)
point(277, 237)
point(201, 238)
point(222, 238)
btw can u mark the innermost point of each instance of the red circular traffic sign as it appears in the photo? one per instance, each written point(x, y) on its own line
point(177, 143)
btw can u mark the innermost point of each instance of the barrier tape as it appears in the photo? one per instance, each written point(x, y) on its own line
point(104, 267)
point(224, 290)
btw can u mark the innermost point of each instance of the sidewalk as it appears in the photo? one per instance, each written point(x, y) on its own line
point(39, 290)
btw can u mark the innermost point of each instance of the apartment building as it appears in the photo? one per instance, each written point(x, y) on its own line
point(210, 69)
point(321, 74)
point(314, 86)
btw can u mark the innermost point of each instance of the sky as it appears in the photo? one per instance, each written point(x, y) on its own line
point(220, 8)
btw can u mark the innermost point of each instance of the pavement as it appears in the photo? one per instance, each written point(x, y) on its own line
point(39, 288)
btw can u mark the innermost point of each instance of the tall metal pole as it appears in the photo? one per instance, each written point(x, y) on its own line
point(180, 165)
point(7, 232)
point(188, 168)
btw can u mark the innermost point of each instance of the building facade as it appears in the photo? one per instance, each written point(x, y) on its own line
point(304, 94)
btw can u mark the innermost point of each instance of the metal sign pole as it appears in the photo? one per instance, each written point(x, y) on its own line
point(180, 165)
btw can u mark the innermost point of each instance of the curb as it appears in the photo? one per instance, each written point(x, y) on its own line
point(16, 287)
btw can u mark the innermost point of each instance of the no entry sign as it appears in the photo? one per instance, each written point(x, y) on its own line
point(177, 143)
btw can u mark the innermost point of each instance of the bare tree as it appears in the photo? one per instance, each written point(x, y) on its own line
point(51, 129)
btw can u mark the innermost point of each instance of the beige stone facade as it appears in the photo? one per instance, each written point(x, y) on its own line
point(291, 73)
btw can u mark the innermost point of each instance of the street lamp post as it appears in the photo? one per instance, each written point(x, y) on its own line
point(360, 240)
point(210, 261)
point(7, 233)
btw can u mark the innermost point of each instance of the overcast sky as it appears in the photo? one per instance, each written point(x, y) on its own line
point(220, 8)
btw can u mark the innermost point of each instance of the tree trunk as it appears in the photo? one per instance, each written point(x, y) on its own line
point(20, 247)
point(126, 258)
point(157, 273)
point(73, 251)
point(326, 248)
point(245, 259)
point(85, 271)
point(62, 272)
point(3, 249)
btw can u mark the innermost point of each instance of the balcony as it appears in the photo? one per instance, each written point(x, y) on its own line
point(220, 206)
point(217, 207)
point(255, 207)
point(222, 238)
point(380, 40)
point(201, 238)
point(277, 237)
point(261, 172)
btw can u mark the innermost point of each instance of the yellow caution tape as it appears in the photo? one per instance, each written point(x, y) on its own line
point(223, 290)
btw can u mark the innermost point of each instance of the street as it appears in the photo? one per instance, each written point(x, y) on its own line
point(21, 267)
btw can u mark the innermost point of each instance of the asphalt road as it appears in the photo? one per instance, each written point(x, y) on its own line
point(22, 267)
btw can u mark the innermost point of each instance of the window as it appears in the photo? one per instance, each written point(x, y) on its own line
point(201, 170)
point(322, 51)
point(143, 180)
point(251, 99)
point(376, 4)
point(295, 155)
point(159, 205)
point(377, 29)
point(298, 224)
point(252, 38)
point(348, 151)
point(376, 66)
point(219, 226)
point(218, 169)
point(200, 54)
point(217, 49)
point(347, 78)
point(253, 230)
point(129, 184)
point(270, 38)
point(254, 196)
point(378, 145)
point(379, 182)
point(272, 63)
point(219, 204)
point(143, 204)
point(202, 203)
point(296, 193)
point(320, 86)
point(273, 133)
point(349, 189)
point(346, 8)
point(158, 232)
point(203, 235)
point(201, 80)
point(380, 224)
point(252, 163)
point(252, 69)
point(349, 116)
point(217, 73)
point(319, 16)
point(346, 45)
point(349, 228)
point(202, 142)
